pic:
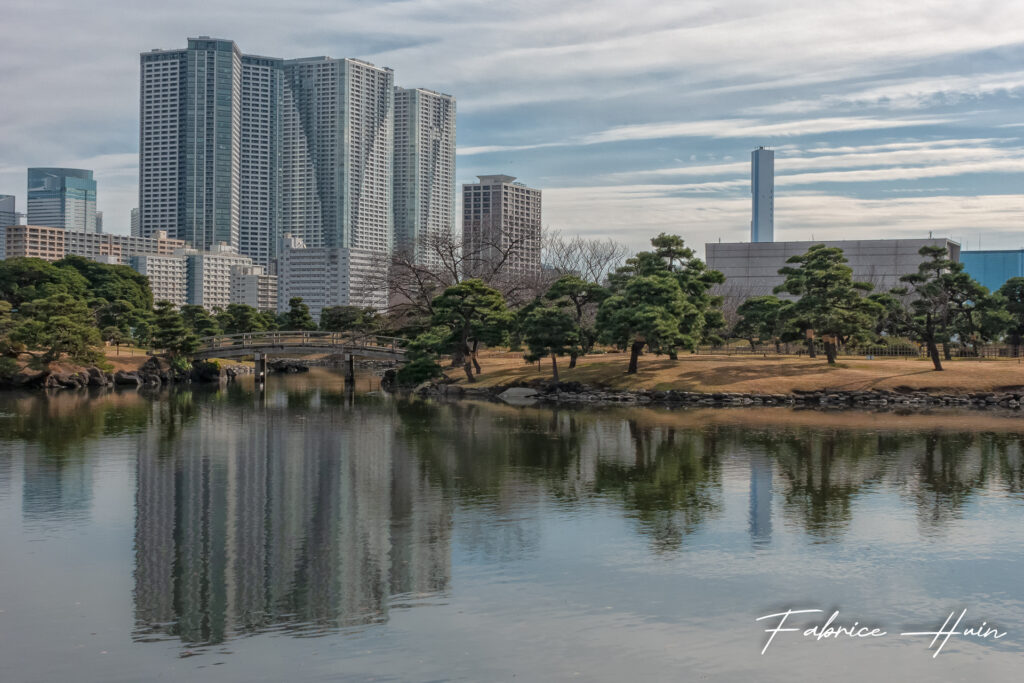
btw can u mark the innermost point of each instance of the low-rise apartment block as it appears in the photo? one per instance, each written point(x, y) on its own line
point(168, 276)
point(251, 286)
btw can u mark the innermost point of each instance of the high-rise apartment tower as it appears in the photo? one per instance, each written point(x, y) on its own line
point(424, 172)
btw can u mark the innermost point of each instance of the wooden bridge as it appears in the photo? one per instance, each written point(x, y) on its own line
point(260, 345)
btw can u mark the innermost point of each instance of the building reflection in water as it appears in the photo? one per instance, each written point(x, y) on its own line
point(760, 517)
point(259, 522)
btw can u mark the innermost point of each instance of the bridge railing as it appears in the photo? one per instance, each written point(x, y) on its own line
point(295, 338)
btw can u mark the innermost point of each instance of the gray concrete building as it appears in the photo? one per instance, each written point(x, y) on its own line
point(752, 268)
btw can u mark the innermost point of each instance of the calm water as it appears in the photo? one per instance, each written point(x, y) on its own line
point(308, 535)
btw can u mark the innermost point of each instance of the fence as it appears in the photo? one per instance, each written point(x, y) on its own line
point(891, 351)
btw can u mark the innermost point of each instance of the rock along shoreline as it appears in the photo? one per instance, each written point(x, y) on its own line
point(576, 394)
point(155, 372)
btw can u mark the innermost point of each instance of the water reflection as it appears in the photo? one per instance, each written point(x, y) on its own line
point(250, 521)
point(306, 509)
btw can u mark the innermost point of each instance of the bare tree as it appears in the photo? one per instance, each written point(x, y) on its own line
point(589, 259)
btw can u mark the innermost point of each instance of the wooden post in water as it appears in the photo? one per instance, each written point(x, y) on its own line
point(350, 369)
point(260, 361)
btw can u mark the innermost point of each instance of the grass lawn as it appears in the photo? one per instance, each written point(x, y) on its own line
point(745, 374)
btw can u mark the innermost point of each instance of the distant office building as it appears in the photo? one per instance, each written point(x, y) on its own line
point(424, 168)
point(252, 286)
point(34, 241)
point(993, 267)
point(168, 276)
point(99, 221)
point(62, 198)
point(338, 132)
point(135, 231)
point(501, 218)
point(762, 189)
point(752, 268)
point(8, 211)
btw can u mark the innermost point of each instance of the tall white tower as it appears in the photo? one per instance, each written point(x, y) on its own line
point(762, 187)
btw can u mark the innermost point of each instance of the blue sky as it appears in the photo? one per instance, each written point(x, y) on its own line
point(889, 119)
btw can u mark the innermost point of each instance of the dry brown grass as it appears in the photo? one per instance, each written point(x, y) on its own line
point(772, 375)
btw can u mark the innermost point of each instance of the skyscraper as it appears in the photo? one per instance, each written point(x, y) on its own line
point(762, 187)
point(338, 132)
point(8, 211)
point(62, 198)
point(501, 226)
point(136, 231)
point(99, 221)
point(260, 166)
point(424, 172)
point(208, 146)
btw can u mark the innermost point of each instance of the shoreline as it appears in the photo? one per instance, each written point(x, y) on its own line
point(577, 394)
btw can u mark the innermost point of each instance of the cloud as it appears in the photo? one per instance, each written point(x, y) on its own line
point(633, 213)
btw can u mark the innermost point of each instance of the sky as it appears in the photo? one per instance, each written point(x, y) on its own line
point(889, 119)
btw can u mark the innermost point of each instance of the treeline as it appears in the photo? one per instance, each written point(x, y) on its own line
point(70, 308)
point(938, 305)
point(660, 301)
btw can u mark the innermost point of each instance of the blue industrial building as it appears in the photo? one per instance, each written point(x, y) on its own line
point(993, 267)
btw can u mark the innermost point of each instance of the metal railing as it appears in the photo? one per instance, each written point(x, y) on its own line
point(302, 338)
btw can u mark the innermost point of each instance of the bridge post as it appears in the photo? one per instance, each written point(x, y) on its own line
point(350, 369)
point(260, 361)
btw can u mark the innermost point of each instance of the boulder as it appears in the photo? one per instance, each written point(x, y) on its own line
point(126, 378)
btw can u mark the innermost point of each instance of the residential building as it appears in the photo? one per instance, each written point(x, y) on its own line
point(135, 229)
point(993, 267)
point(168, 276)
point(326, 276)
point(424, 169)
point(8, 210)
point(62, 198)
point(209, 275)
point(338, 130)
point(252, 286)
point(34, 241)
point(260, 157)
point(762, 189)
point(752, 268)
point(501, 221)
point(117, 249)
point(190, 142)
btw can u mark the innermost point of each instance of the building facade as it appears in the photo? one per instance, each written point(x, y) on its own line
point(752, 268)
point(8, 210)
point(208, 274)
point(327, 276)
point(62, 198)
point(190, 142)
point(993, 267)
point(338, 141)
point(117, 249)
point(135, 230)
point(501, 221)
point(424, 169)
point(34, 241)
point(762, 190)
point(252, 286)
point(168, 276)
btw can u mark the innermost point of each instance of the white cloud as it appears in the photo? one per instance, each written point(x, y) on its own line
point(634, 213)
